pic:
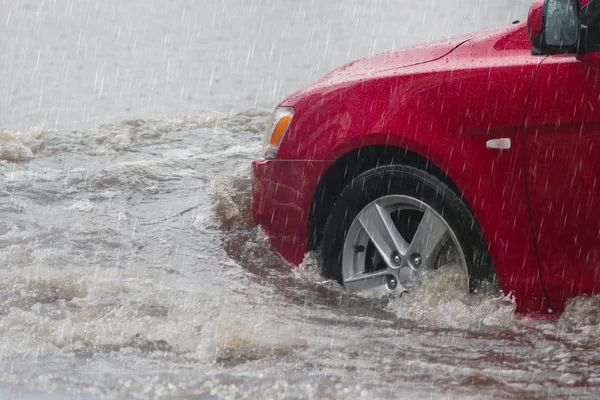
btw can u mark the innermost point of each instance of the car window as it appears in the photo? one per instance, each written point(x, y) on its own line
point(591, 17)
point(561, 23)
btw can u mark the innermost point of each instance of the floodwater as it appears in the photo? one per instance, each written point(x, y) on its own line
point(129, 264)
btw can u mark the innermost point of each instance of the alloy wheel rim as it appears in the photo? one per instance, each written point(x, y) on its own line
point(384, 253)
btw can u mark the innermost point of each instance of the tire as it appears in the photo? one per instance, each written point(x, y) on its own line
point(402, 193)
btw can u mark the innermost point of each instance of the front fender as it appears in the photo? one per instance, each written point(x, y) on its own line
point(439, 116)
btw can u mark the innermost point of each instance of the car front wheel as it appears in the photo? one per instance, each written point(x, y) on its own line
point(393, 225)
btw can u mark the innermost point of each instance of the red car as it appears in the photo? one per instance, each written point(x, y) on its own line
point(481, 149)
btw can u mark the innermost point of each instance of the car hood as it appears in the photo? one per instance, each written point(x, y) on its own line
point(392, 60)
point(384, 64)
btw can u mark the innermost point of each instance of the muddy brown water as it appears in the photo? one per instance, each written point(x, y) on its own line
point(129, 263)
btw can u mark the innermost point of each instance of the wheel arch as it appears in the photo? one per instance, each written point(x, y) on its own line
point(352, 164)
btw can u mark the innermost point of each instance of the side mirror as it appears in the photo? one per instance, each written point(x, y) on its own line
point(554, 27)
point(535, 23)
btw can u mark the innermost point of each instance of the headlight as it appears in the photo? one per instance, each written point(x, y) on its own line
point(276, 129)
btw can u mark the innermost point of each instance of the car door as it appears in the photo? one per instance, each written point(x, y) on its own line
point(563, 173)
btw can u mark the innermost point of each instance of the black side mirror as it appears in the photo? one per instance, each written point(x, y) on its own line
point(561, 29)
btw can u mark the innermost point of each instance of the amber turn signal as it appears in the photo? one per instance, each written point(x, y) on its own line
point(280, 130)
point(276, 129)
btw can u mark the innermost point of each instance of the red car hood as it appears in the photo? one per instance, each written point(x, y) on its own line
point(380, 64)
point(389, 61)
point(394, 62)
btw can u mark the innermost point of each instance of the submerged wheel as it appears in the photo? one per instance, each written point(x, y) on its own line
point(394, 224)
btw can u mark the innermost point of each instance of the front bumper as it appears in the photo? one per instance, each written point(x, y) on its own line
point(282, 193)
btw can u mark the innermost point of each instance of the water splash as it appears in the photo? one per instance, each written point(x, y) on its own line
point(443, 300)
point(233, 200)
point(20, 146)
